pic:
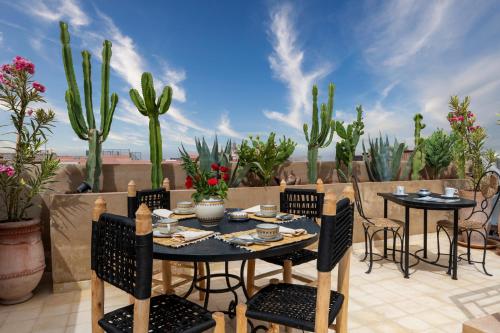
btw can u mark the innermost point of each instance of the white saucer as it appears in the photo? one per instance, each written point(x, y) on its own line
point(274, 239)
point(183, 212)
point(400, 195)
point(259, 214)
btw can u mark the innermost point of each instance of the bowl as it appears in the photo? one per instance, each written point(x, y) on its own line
point(238, 215)
point(267, 230)
point(423, 192)
point(268, 210)
point(185, 205)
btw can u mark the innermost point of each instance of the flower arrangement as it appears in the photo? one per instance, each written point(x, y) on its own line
point(29, 172)
point(208, 184)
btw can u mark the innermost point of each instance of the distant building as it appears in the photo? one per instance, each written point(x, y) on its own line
point(109, 156)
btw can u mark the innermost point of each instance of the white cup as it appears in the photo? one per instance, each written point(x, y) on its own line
point(400, 189)
point(450, 191)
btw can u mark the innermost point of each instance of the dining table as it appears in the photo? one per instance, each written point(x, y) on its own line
point(215, 250)
point(430, 202)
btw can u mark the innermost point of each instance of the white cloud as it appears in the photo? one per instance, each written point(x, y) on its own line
point(56, 10)
point(129, 138)
point(287, 61)
point(224, 127)
point(1, 38)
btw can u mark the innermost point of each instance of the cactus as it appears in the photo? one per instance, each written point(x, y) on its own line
point(346, 148)
point(207, 157)
point(438, 152)
point(417, 159)
point(149, 107)
point(86, 129)
point(383, 161)
point(320, 137)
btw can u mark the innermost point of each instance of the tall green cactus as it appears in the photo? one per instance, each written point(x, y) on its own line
point(417, 159)
point(86, 128)
point(320, 136)
point(149, 107)
point(346, 147)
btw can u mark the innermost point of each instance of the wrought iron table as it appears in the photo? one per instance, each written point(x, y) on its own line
point(410, 201)
point(214, 250)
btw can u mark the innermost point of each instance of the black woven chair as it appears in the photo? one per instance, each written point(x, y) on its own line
point(305, 307)
point(373, 225)
point(489, 187)
point(298, 201)
point(122, 255)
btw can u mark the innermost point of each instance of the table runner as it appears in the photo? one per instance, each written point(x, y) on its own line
point(272, 219)
point(176, 243)
point(262, 247)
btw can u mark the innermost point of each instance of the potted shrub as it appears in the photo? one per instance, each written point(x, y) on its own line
point(211, 189)
point(22, 178)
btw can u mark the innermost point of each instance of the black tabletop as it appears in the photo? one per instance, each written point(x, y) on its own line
point(213, 250)
point(411, 201)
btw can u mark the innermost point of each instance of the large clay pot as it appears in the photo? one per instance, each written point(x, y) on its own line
point(209, 211)
point(22, 260)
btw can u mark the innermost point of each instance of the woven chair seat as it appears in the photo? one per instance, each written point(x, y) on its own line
point(290, 305)
point(168, 313)
point(383, 222)
point(462, 224)
point(297, 257)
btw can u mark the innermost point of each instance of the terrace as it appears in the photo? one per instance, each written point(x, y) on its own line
point(244, 232)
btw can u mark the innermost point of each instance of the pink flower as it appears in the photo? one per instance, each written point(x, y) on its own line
point(470, 114)
point(461, 118)
point(30, 112)
point(7, 169)
point(23, 64)
point(38, 87)
point(5, 68)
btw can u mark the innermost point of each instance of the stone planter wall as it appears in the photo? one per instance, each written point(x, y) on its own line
point(70, 219)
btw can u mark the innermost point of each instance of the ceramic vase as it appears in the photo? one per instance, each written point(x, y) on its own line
point(209, 211)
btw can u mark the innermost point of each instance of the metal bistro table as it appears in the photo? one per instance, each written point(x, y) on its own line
point(410, 201)
point(214, 250)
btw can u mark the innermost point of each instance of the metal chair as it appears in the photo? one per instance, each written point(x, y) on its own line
point(298, 201)
point(306, 307)
point(489, 186)
point(373, 225)
point(122, 255)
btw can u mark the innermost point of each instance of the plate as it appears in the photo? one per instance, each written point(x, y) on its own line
point(400, 195)
point(274, 239)
point(183, 212)
point(448, 197)
point(236, 219)
point(259, 214)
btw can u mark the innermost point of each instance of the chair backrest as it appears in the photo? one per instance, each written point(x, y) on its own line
point(489, 188)
point(301, 201)
point(121, 256)
point(357, 196)
point(153, 198)
point(335, 237)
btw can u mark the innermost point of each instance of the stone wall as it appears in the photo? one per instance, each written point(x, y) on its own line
point(70, 217)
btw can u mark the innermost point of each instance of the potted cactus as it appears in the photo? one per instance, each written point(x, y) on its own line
point(149, 107)
point(321, 134)
point(86, 129)
point(346, 147)
point(22, 179)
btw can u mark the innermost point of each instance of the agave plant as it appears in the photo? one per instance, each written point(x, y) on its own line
point(383, 160)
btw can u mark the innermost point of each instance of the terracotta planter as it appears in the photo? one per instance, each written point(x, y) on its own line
point(210, 212)
point(22, 260)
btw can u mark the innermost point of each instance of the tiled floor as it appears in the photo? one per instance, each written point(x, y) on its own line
point(382, 301)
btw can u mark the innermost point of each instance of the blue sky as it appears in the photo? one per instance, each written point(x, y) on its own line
point(247, 67)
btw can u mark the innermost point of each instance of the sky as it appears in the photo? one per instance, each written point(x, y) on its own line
point(240, 68)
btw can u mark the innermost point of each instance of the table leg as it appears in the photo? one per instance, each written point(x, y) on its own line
point(407, 243)
point(207, 294)
point(455, 244)
point(385, 230)
point(425, 233)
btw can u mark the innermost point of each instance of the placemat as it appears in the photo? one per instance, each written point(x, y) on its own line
point(182, 217)
point(272, 219)
point(176, 243)
point(262, 247)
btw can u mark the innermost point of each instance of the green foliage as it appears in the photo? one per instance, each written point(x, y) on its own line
point(346, 147)
point(207, 157)
point(149, 107)
point(382, 160)
point(31, 171)
point(264, 157)
point(417, 160)
point(86, 129)
point(438, 152)
point(321, 134)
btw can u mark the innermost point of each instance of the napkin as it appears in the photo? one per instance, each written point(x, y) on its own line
point(253, 209)
point(289, 232)
point(188, 236)
point(165, 213)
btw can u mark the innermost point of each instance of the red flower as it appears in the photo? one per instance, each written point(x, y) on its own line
point(223, 169)
point(214, 166)
point(38, 87)
point(225, 176)
point(212, 181)
point(189, 182)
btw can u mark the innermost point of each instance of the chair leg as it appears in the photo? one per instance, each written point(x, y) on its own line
point(484, 251)
point(201, 272)
point(250, 277)
point(166, 273)
point(366, 243)
point(241, 319)
point(469, 234)
point(393, 245)
point(370, 265)
point(438, 230)
point(220, 325)
point(287, 271)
